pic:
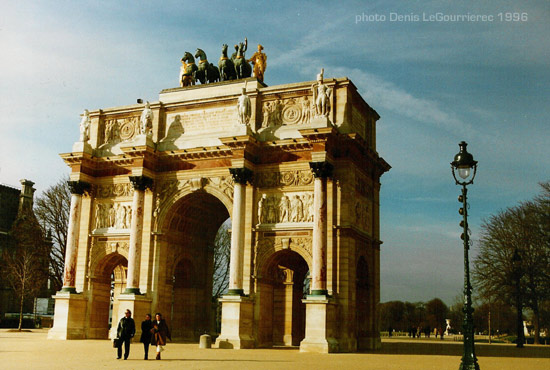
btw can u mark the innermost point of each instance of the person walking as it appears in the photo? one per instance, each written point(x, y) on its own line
point(146, 326)
point(160, 332)
point(125, 332)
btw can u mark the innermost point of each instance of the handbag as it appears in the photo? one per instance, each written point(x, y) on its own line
point(116, 342)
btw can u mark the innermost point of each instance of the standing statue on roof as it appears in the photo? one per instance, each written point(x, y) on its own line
point(242, 67)
point(321, 96)
point(85, 127)
point(244, 107)
point(259, 60)
point(146, 121)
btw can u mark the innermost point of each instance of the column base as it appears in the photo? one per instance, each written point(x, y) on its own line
point(237, 316)
point(69, 316)
point(239, 292)
point(132, 291)
point(320, 325)
point(138, 304)
point(68, 289)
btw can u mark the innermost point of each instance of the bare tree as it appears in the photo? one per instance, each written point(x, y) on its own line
point(25, 264)
point(52, 210)
point(222, 252)
point(514, 258)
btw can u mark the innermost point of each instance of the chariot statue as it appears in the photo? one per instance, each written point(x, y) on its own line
point(206, 72)
point(242, 67)
point(187, 70)
point(226, 66)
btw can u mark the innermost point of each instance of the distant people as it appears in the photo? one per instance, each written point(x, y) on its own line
point(146, 326)
point(160, 332)
point(390, 330)
point(125, 332)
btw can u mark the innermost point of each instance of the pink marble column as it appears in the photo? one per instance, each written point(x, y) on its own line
point(241, 176)
point(140, 183)
point(321, 170)
point(71, 252)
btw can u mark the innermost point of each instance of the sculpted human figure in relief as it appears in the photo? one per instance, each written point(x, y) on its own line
point(146, 120)
point(85, 127)
point(321, 96)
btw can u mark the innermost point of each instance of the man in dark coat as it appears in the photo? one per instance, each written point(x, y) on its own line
point(160, 333)
point(125, 332)
point(146, 326)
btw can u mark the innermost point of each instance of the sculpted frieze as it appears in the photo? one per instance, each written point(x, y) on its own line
point(114, 190)
point(285, 178)
point(122, 129)
point(294, 111)
point(363, 188)
point(285, 208)
point(112, 215)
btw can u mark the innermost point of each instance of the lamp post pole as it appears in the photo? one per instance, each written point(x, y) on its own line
point(464, 163)
point(516, 261)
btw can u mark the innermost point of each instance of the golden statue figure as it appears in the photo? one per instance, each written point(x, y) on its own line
point(259, 60)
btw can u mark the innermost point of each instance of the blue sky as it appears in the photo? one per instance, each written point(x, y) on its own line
point(433, 83)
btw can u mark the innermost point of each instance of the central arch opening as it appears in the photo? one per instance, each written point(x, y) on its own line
point(282, 288)
point(191, 255)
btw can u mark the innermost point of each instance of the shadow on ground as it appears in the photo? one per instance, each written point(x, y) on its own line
point(455, 349)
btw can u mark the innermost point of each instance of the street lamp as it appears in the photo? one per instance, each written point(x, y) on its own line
point(517, 272)
point(464, 164)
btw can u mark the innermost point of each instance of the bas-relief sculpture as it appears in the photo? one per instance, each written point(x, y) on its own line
point(272, 179)
point(285, 208)
point(293, 111)
point(113, 216)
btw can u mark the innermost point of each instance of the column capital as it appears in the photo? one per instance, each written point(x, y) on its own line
point(321, 169)
point(79, 187)
point(141, 182)
point(241, 175)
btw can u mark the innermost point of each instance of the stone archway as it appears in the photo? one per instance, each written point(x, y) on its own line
point(280, 294)
point(186, 264)
point(106, 285)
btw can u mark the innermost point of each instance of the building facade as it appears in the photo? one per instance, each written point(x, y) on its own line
point(296, 169)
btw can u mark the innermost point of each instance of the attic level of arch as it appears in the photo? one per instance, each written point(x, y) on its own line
point(347, 147)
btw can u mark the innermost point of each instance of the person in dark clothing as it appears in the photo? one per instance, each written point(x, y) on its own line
point(125, 332)
point(160, 333)
point(146, 326)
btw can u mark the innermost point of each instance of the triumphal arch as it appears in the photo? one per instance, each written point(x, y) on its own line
point(293, 166)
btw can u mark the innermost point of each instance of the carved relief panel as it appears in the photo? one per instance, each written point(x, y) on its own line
point(294, 111)
point(274, 179)
point(285, 208)
point(112, 215)
point(121, 129)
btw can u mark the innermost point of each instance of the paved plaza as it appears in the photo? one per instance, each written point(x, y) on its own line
point(34, 351)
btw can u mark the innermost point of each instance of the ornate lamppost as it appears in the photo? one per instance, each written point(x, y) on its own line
point(464, 164)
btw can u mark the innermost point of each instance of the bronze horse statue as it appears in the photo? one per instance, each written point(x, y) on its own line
point(242, 67)
point(206, 72)
point(188, 69)
point(226, 66)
